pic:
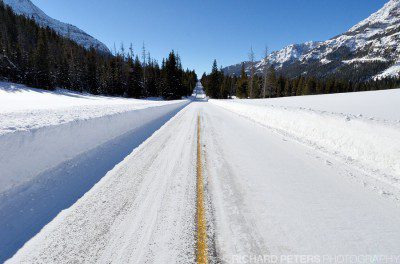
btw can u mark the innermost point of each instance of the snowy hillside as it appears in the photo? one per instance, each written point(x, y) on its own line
point(28, 9)
point(368, 49)
point(289, 54)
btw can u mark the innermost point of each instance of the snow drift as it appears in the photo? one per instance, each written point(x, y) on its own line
point(374, 144)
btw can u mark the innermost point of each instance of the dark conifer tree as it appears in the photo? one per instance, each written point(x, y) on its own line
point(271, 82)
point(92, 77)
point(42, 67)
point(213, 86)
point(242, 84)
point(40, 57)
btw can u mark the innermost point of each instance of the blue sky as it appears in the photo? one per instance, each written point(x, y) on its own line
point(201, 31)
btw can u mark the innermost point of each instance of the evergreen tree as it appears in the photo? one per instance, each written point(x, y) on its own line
point(271, 81)
point(300, 86)
point(241, 91)
point(213, 85)
point(42, 58)
point(288, 88)
point(172, 78)
point(280, 86)
point(252, 72)
point(42, 68)
point(92, 77)
point(135, 79)
point(225, 87)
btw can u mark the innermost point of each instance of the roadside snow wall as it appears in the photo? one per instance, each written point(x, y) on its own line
point(25, 154)
point(372, 144)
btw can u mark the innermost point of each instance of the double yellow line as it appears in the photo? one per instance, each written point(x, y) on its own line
point(201, 247)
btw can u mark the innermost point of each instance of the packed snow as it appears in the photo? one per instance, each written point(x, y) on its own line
point(24, 210)
point(274, 197)
point(108, 179)
point(142, 211)
point(198, 92)
point(268, 195)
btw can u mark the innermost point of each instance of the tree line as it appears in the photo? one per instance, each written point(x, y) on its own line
point(270, 84)
point(39, 57)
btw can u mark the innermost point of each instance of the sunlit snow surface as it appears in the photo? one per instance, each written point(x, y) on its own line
point(44, 128)
point(24, 108)
point(270, 193)
point(54, 146)
point(382, 105)
point(362, 128)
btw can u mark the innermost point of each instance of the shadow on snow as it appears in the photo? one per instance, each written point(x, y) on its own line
point(27, 209)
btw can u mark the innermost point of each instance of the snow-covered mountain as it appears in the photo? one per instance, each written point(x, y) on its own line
point(368, 49)
point(292, 52)
point(28, 9)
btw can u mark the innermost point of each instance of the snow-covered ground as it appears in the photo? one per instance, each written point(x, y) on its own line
point(275, 197)
point(142, 211)
point(36, 124)
point(54, 146)
point(361, 128)
point(282, 179)
point(25, 108)
point(269, 194)
point(379, 105)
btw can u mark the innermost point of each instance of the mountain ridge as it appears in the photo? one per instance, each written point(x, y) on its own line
point(367, 50)
point(28, 9)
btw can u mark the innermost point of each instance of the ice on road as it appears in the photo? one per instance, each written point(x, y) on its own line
point(269, 195)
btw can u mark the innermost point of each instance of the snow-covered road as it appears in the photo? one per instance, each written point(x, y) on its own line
point(273, 195)
point(268, 195)
point(142, 211)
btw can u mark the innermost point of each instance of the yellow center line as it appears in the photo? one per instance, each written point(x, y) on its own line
point(201, 253)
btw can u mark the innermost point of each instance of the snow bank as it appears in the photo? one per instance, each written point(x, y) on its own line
point(24, 108)
point(380, 105)
point(52, 127)
point(141, 211)
point(372, 144)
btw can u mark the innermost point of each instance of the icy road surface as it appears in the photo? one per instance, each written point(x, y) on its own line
point(268, 193)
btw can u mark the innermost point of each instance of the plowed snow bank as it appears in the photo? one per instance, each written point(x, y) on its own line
point(52, 127)
point(371, 143)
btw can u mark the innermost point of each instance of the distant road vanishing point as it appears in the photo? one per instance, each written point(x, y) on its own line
point(266, 193)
